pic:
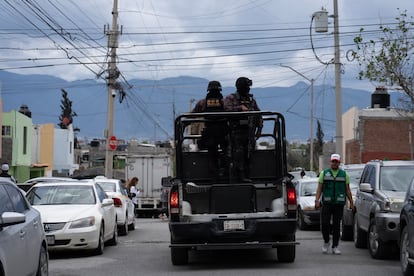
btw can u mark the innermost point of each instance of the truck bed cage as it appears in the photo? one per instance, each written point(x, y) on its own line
point(268, 157)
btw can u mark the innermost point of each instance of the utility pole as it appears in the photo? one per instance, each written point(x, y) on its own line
point(311, 112)
point(113, 74)
point(338, 93)
point(322, 27)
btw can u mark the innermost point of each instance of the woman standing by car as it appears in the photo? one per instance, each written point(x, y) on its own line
point(134, 191)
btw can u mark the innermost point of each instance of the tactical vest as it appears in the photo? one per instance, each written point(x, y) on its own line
point(334, 188)
point(214, 102)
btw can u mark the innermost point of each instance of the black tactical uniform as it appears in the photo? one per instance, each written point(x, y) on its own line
point(213, 136)
point(244, 131)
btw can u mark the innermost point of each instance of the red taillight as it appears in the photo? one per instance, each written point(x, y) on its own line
point(291, 198)
point(117, 202)
point(174, 205)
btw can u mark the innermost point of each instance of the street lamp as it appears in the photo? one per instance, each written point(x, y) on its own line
point(311, 112)
point(337, 62)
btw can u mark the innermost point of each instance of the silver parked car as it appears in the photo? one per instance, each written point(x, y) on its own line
point(305, 196)
point(23, 247)
point(378, 204)
point(354, 171)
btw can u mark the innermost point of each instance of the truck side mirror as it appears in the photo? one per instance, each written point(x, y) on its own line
point(166, 181)
point(366, 187)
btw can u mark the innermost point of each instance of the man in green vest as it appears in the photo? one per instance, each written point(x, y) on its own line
point(334, 188)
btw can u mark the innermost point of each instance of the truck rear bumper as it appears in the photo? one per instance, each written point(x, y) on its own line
point(257, 233)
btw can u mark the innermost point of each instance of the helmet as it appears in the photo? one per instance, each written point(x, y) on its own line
point(243, 82)
point(4, 167)
point(214, 85)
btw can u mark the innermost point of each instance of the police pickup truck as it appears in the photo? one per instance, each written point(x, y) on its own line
point(216, 211)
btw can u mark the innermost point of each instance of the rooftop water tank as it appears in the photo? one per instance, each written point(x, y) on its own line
point(24, 109)
point(380, 98)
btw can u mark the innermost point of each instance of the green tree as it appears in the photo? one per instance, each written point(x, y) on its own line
point(388, 60)
point(66, 117)
point(319, 140)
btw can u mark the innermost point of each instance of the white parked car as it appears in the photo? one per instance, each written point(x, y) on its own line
point(305, 197)
point(76, 215)
point(123, 204)
point(23, 247)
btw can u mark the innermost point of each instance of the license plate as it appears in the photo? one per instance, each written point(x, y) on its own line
point(231, 225)
point(50, 240)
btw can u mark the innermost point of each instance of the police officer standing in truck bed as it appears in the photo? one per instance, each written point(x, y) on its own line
point(243, 132)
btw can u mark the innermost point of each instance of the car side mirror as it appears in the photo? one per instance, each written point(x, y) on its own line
point(366, 187)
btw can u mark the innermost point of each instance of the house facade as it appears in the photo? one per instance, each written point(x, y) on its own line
point(378, 132)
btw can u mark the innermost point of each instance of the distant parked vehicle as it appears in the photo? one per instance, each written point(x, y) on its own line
point(123, 204)
point(23, 247)
point(406, 240)
point(354, 171)
point(25, 186)
point(305, 193)
point(296, 174)
point(76, 215)
point(378, 204)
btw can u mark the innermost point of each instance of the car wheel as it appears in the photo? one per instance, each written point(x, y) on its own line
point(132, 225)
point(347, 232)
point(406, 267)
point(377, 248)
point(124, 227)
point(360, 237)
point(179, 256)
point(114, 239)
point(286, 254)
point(99, 250)
point(43, 268)
point(301, 222)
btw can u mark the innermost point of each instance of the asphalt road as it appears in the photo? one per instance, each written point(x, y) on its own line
point(145, 251)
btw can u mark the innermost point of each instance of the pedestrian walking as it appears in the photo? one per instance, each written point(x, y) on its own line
point(334, 188)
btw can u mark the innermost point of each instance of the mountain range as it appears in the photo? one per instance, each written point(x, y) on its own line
point(147, 111)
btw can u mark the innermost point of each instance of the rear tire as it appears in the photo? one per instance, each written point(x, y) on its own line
point(123, 230)
point(301, 222)
point(179, 256)
point(347, 232)
point(132, 225)
point(286, 254)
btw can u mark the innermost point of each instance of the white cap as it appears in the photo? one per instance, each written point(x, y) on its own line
point(336, 157)
point(4, 167)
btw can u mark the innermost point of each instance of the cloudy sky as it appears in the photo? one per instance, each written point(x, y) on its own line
point(211, 39)
point(265, 40)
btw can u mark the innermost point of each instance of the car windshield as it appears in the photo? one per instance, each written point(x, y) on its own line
point(62, 194)
point(107, 186)
point(396, 178)
point(354, 175)
point(309, 188)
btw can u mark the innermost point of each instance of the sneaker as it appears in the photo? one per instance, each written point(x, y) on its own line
point(325, 247)
point(336, 251)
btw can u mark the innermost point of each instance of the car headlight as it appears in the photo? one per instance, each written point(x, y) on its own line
point(84, 222)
